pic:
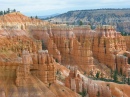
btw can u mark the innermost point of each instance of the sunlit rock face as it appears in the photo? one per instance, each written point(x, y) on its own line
point(80, 46)
point(105, 89)
point(24, 66)
point(15, 75)
point(46, 67)
point(127, 38)
point(31, 71)
point(25, 69)
point(40, 65)
point(74, 81)
point(110, 47)
point(16, 20)
point(94, 88)
point(74, 48)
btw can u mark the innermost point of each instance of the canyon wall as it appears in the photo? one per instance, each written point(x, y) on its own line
point(25, 69)
point(24, 66)
point(81, 46)
point(110, 48)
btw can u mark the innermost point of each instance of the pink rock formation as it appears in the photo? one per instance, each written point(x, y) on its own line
point(26, 70)
point(42, 66)
point(108, 46)
point(73, 49)
point(74, 81)
point(26, 67)
point(80, 46)
point(46, 67)
point(23, 71)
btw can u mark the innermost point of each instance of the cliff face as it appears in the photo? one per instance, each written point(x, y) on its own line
point(74, 49)
point(91, 51)
point(27, 70)
point(31, 75)
point(109, 48)
point(82, 46)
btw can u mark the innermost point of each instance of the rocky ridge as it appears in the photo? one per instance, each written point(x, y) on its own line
point(117, 17)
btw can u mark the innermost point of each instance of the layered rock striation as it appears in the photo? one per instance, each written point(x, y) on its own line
point(109, 48)
point(27, 71)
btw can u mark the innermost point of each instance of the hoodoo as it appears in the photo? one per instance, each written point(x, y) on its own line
point(41, 59)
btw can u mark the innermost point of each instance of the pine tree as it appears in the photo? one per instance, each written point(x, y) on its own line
point(14, 10)
point(8, 11)
point(36, 17)
point(111, 74)
point(128, 81)
point(80, 23)
point(115, 76)
point(97, 74)
point(124, 79)
point(4, 12)
point(1, 12)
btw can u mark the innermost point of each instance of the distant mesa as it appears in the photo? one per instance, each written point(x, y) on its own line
point(116, 17)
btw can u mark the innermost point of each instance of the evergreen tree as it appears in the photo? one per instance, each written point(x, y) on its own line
point(98, 94)
point(4, 12)
point(121, 71)
point(1, 13)
point(124, 79)
point(36, 17)
point(14, 10)
point(8, 11)
point(115, 76)
point(43, 45)
point(83, 93)
point(128, 81)
point(111, 74)
point(80, 23)
point(97, 74)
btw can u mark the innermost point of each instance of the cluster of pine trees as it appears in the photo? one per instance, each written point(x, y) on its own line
point(7, 11)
